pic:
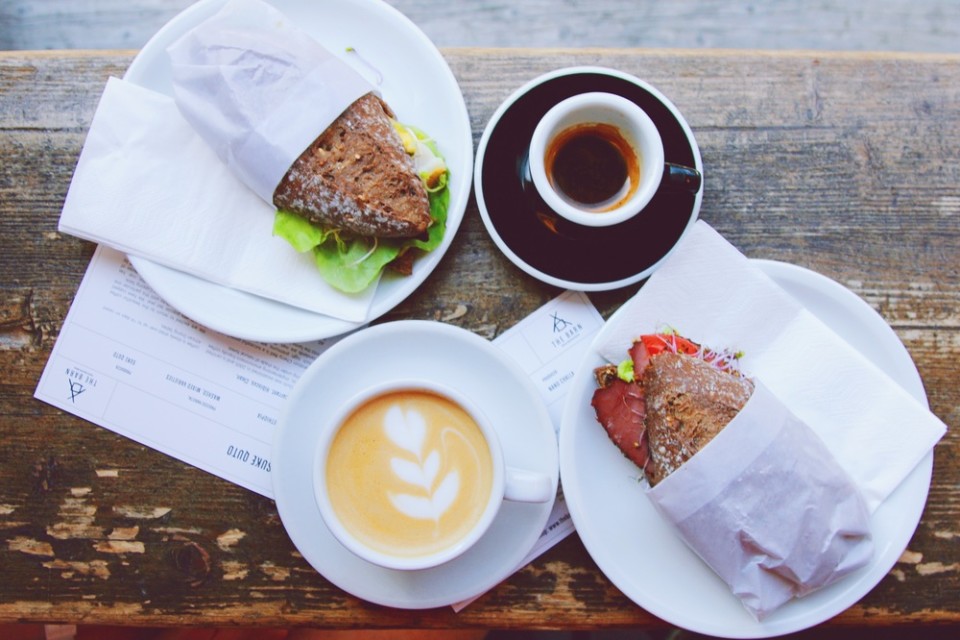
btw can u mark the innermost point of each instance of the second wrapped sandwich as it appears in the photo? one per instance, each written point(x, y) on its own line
point(749, 487)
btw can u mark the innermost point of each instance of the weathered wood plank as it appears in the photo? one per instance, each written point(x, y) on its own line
point(848, 164)
point(888, 25)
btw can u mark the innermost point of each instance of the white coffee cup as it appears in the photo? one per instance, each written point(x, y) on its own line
point(621, 132)
point(383, 488)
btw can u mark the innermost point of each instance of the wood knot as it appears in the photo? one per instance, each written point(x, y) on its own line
point(46, 474)
point(193, 562)
point(19, 326)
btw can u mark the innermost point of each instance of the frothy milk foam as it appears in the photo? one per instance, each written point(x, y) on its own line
point(409, 473)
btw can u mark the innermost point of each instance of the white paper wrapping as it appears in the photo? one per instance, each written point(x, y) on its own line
point(767, 507)
point(258, 89)
point(710, 292)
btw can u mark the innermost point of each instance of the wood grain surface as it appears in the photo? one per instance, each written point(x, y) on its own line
point(848, 164)
point(838, 25)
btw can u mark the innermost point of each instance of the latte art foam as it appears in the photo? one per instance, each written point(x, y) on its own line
point(432, 497)
point(409, 473)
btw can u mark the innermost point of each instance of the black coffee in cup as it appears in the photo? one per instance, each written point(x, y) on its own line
point(593, 166)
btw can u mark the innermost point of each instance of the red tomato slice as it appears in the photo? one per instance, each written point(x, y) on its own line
point(650, 345)
point(659, 342)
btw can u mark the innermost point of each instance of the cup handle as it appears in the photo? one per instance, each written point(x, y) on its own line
point(527, 486)
point(679, 178)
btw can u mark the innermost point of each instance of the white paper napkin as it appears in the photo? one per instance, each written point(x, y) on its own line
point(147, 184)
point(710, 292)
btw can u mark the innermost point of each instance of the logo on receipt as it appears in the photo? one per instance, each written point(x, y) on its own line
point(559, 324)
point(80, 381)
point(76, 388)
point(564, 331)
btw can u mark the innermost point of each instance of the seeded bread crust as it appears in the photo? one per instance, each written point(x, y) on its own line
point(689, 402)
point(357, 177)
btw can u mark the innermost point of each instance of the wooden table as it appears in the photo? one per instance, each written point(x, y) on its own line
point(848, 164)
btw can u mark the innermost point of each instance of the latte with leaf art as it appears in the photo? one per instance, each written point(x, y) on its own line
point(409, 473)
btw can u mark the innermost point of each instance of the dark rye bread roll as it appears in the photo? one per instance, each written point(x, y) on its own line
point(356, 177)
point(689, 401)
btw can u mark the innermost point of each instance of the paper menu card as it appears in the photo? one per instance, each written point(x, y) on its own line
point(126, 361)
point(711, 293)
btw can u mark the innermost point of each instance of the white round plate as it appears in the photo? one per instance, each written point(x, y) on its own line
point(545, 245)
point(640, 553)
point(463, 361)
point(420, 88)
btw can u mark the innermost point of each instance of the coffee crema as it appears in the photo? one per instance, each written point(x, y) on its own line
point(592, 166)
point(409, 473)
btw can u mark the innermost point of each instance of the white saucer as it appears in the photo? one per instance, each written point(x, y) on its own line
point(461, 360)
point(410, 73)
point(641, 554)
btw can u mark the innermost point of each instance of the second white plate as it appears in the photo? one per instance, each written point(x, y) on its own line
point(641, 554)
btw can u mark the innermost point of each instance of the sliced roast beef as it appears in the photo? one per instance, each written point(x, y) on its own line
point(621, 409)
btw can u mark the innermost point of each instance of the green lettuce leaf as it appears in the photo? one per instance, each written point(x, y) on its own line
point(353, 264)
point(301, 235)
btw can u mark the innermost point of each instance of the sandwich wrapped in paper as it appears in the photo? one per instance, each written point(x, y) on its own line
point(311, 136)
point(190, 183)
point(749, 487)
point(872, 428)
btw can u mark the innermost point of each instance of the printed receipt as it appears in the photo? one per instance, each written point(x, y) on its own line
point(126, 361)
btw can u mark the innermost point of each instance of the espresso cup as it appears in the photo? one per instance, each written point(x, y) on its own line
point(597, 160)
point(410, 474)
